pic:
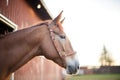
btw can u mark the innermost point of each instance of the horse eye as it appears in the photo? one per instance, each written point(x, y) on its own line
point(62, 36)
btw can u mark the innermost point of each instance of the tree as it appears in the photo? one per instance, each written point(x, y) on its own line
point(105, 58)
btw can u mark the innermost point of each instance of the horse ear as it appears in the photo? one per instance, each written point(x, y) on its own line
point(57, 19)
point(62, 21)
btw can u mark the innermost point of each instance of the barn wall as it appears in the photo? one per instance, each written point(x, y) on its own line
point(18, 12)
point(38, 68)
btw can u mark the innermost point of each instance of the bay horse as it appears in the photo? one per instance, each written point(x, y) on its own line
point(46, 38)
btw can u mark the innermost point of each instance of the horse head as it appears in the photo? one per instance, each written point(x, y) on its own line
point(61, 52)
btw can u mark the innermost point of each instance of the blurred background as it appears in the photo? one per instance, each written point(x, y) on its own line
point(91, 25)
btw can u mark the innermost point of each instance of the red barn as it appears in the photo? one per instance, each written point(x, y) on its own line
point(18, 14)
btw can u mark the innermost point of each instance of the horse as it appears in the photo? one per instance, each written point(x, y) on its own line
point(46, 39)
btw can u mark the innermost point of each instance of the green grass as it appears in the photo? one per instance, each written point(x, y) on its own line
point(95, 77)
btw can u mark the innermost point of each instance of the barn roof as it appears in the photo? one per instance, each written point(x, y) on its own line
point(40, 8)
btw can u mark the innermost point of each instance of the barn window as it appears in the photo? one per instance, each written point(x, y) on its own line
point(6, 26)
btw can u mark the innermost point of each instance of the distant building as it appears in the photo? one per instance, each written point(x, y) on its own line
point(101, 70)
point(108, 70)
point(85, 70)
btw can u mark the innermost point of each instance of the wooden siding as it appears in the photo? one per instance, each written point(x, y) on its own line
point(18, 12)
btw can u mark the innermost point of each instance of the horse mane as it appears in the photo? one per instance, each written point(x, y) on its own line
point(6, 32)
point(3, 35)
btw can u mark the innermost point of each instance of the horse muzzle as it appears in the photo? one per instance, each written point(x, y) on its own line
point(72, 67)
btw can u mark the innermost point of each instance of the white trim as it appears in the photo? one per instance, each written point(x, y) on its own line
point(48, 11)
point(8, 22)
point(12, 76)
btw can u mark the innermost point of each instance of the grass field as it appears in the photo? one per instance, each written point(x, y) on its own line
point(95, 77)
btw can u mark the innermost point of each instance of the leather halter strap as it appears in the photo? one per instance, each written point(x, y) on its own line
point(56, 44)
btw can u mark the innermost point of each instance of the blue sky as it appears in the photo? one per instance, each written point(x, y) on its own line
point(90, 24)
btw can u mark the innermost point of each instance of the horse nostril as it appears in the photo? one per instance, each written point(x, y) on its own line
point(69, 67)
point(78, 67)
point(72, 69)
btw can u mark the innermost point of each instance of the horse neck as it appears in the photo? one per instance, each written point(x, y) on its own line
point(21, 46)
